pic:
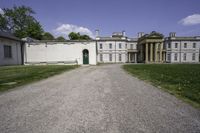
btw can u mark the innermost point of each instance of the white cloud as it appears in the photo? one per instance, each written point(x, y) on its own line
point(191, 20)
point(1, 11)
point(65, 29)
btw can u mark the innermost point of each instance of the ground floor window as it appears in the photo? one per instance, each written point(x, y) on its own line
point(175, 56)
point(193, 56)
point(7, 51)
point(110, 57)
point(101, 57)
point(168, 56)
point(184, 56)
point(120, 57)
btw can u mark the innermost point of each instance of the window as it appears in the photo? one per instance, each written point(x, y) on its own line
point(131, 46)
point(110, 57)
point(169, 45)
point(7, 51)
point(110, 45)
point(175, 56)
point(193, 56)
point(101, 46)
point(168, 56)
point(194, 45)
point(101, 57)
point(184, 56)
point(120, 45)
point(126, 46)
point(176, 45)
point(185, 45)
point(120, 57)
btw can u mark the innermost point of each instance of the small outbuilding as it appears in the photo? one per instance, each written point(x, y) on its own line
point(11, 49)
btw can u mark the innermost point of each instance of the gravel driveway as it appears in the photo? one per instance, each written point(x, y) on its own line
point(94, 99)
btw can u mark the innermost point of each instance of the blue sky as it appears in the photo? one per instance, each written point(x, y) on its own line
point(63, 16)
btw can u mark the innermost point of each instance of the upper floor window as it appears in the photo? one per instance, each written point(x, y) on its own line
point(100, 46)
point(110, 45)
point(131, 46)
point(7, 51)
point(185, 45)
point(194, 45)
point(176, 45)
point(120, 45)
point(169, 45)
point(126, 45)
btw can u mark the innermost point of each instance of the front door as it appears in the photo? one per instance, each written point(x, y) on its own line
point(85, 56)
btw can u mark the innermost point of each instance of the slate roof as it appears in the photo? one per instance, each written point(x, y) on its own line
point(9, 36)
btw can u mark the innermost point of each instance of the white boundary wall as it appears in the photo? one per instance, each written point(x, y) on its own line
point(59, 52)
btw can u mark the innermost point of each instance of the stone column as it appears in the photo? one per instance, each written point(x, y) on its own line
point(155, 54)
point(129, 57)
point(151, 52)
point(146, 54)
point(161, 47)
point(135, 57)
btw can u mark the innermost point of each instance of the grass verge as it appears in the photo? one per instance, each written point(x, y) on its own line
point(181, 80)
point(13, 76)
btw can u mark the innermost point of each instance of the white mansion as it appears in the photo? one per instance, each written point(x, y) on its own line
point(118, 48)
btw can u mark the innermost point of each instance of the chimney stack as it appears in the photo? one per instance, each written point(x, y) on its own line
point(140, 34)
point(97, 33)
point(123, 33)
point(172, 34)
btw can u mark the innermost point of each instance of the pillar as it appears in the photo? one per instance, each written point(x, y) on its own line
point(151, 52)
point(146, 54)
point(129, 57)
point(161, 47)
point(155, 54)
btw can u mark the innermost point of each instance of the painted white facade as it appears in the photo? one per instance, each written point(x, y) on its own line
point(116, 49)
point(70, 52)
point(16, 56)
point(182, 49)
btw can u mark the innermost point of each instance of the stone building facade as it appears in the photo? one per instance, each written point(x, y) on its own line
point(182, 49)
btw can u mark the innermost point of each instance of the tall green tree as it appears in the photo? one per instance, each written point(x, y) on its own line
point(20, 21)
point(78, 36)
point(47, 36)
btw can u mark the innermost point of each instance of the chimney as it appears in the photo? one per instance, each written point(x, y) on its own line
point(140, 34)
point(172, 34)
point(97, 33)
point(123, 33)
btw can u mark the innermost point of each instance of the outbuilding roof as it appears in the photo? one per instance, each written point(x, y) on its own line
point(9, 36)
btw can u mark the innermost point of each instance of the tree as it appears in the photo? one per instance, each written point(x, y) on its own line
point(47, 36)
point(60, 38)
point(19, 21)
point(77, 36)
point(74, 36)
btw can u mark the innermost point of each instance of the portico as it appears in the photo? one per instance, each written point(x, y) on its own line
point(151, 48)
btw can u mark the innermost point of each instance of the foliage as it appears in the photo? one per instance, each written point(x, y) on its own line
point(12, 76)
point(78, 36)
point(60, 38)
point(182, 80)
point(47, 36)
point(19, 20)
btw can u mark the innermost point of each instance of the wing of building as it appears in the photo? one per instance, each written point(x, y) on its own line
point(117, 48)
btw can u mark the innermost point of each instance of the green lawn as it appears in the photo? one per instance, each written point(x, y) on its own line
point(12, 76)
point(181, 80)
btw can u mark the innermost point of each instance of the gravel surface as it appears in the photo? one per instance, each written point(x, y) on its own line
point(95, 99)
